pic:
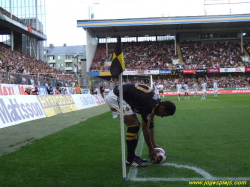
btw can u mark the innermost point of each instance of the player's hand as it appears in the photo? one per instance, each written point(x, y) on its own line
point(152, 154)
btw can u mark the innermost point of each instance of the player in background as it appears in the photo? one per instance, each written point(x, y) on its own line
point(185, 86)
point(156, 89)
point(204, 90)
point(195, 90)
point(178, 90)
point(161, 87)
point(215, 89)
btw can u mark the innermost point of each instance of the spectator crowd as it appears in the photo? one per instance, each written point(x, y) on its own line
point(159, 55)
point(202, 55)
point(19, 65)
point(138, 55)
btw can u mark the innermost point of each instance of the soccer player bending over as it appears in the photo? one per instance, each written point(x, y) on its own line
point(139, 98)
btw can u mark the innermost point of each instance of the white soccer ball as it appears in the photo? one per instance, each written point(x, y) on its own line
point(161, 156)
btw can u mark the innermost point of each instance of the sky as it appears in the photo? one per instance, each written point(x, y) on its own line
point(62, 15)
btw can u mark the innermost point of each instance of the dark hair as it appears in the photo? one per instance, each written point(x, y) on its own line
point(169, 106)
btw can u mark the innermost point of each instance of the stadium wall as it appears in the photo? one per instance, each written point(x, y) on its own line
point(92, 42)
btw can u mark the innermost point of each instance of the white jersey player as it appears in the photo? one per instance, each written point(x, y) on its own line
point(156, 89)
point(215, 89)
point(195, 90)
point(178, 90)
point(186, 89)
point(204, 90)
point(161, 87)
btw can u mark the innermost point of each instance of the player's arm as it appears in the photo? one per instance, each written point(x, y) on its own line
point(152, 135)
point(147, 136)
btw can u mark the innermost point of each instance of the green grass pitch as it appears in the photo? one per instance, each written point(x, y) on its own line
point(212, 135)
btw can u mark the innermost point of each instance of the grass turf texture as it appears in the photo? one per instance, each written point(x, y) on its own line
point(212, 134)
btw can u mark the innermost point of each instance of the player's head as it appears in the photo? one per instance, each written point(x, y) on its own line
point(165, 108)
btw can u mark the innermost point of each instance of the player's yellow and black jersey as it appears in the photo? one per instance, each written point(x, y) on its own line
point(141, 98)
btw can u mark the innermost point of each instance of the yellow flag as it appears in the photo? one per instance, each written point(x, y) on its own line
point(118, 64)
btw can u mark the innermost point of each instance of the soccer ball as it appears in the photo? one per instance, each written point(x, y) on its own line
point(161, 156)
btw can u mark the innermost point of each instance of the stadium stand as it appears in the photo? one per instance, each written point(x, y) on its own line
point(138, 55)
point(159, 55)
point(24, 69)
point(202, 55)
point(246, 58)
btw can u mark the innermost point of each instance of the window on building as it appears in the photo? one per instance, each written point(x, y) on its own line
point(68, 57)
point(52, 58)
point(68, 64)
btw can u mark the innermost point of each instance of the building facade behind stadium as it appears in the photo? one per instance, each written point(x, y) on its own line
point(176, 30)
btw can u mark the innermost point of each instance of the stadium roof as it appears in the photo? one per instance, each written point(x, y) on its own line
point(6, 24)
point(166, 25)
point(67, 50)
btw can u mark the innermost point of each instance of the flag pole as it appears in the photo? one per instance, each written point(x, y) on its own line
point(122, 129)
point(116, 69)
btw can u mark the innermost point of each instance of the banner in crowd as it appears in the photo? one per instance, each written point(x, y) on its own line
point(42, 90)
point(56, 104)
point(201, 71)
point(12, 89)
point(85, 91)
point(189, 71)
point(128, 72)
point(19, 89)
point(153, 72)
point(165, 71)
point(213, 70)
point(247, 69)
point(226, 70)
point(141, 72)
point(17, 109)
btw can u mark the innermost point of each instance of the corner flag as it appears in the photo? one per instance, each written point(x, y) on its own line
point(118, 64)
